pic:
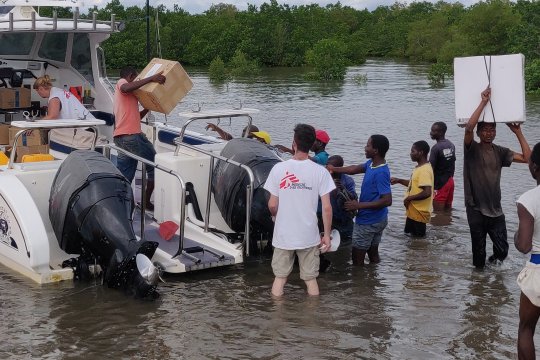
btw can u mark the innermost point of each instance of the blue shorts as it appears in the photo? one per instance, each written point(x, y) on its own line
point(136, 144)
point(366, 236)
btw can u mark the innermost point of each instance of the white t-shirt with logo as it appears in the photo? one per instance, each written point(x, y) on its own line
point(531, 201)
point(298, 184)
point(71, 106)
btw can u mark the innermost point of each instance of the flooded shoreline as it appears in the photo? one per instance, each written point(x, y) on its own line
point(424, 300)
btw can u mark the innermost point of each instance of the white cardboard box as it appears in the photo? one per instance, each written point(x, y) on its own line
point(504, 74)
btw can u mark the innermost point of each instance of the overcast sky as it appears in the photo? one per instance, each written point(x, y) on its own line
point(199, 6)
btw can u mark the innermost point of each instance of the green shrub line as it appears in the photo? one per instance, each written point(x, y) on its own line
point(327, 38)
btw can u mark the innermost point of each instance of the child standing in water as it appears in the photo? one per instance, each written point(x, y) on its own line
point(419, 194)
point(372, 205)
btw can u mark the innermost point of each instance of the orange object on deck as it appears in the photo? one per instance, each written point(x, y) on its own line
point(3, 158)
point(167, 229)
point(37, 157)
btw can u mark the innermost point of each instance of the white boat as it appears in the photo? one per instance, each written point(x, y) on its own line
point(68, 50)
point(30, 246)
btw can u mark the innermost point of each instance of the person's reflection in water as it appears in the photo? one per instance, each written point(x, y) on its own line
point(484, 333)
point(423, 303)
point(441, 217)
point(366, 317)
point(95, 322)
point(349, 321)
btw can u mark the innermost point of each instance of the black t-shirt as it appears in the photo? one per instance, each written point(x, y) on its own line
point(482, 176)
point(443, 159)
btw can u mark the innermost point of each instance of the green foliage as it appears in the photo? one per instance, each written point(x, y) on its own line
point(525, 37)
point(357, 47)
point(275, 34)
point(486, 26)
point(217, 71)
point(427, 36)
point(238, 67)
point(532, 76)
point(438, 73)
point(328, 59)
point(242, 67)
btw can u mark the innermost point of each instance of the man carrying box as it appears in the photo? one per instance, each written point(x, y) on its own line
point(128, 134)
point(482, 167)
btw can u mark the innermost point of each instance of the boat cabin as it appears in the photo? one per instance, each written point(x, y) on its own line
point(68, 50)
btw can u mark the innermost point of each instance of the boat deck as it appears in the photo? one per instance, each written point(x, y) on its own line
point(198, 257)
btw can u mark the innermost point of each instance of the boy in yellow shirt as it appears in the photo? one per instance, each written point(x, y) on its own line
point(419, 194)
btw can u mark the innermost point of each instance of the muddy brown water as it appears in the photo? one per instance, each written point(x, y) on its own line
point(423, 301)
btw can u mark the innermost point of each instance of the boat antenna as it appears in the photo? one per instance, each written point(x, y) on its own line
point(148, 30)
point(158, 37)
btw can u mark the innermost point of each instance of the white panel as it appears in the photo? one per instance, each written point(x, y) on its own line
point(504, 74)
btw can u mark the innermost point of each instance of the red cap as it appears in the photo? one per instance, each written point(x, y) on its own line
point(322, 136)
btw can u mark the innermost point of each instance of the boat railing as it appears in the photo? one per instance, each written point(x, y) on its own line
point(249, 189)
point(156, 166)
point(216, 115)
point(112, 25)
point(24, 126)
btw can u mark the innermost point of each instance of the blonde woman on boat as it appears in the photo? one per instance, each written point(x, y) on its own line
point(61, 104)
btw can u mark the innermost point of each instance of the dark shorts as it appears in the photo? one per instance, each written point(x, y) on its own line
point(415, 228)
point(445, 195)
point(136, 144)
point(366, 236)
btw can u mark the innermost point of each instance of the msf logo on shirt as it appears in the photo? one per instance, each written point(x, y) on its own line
point(290, 181)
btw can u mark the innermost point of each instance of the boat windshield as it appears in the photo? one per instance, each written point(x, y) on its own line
point(80, 56)
point(16, 44)
point(54, 46)
point(102, 69)
point(5, 9)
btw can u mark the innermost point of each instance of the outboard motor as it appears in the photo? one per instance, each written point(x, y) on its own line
point(229, 185)
point(90, 208)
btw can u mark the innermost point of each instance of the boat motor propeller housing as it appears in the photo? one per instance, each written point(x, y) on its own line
point(229, 183)
point(90, 208)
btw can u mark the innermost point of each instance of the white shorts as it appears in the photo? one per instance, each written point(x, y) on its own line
point(529, 282)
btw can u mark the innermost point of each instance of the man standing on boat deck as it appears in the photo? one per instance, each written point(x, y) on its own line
point(482, 167)
point(295, 186)
point(443, 159)
point(128, 134)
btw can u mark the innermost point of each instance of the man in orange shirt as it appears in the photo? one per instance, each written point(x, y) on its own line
point(127, 133)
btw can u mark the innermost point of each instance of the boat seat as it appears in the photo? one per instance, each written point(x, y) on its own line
point(5, 75)
point(167, 136)
point(10, 77)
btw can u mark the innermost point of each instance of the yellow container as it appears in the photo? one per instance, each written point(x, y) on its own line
point(3, 158)
point(37, 157)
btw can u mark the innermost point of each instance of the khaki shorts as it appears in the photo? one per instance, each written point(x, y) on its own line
point(308, 259)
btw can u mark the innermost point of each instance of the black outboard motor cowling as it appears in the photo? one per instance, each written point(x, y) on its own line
point(90, 209)
point(229, 183)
